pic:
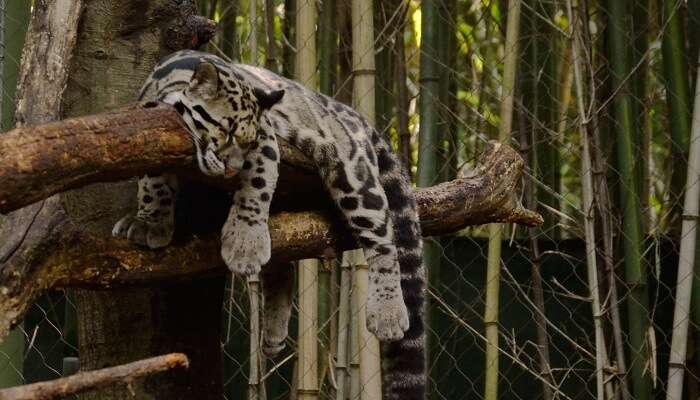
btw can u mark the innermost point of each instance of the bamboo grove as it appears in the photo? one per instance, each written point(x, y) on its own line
point(598, 96)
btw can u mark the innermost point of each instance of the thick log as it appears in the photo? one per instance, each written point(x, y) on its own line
point(36, 162)
point(91, 380)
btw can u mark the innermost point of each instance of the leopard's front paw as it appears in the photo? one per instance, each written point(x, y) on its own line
point(387, 318)
point(245, 248)
point(146, 233)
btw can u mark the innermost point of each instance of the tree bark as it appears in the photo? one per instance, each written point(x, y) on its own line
point(113, 46)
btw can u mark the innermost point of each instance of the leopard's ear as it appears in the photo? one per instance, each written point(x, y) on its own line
point(205, 80)
point(267, 99)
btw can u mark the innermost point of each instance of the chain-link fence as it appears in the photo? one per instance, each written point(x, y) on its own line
point(617, 75)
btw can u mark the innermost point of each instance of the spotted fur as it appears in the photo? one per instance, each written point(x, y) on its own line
point(234, 113)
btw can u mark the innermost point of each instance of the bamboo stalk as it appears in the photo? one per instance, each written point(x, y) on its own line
point(588, 207)
point(493, 268)
point(306, 43)
point(324, 317)
point(228, 23)
point(289, 32)
point(368, 346)
point(603, 202)
point(354, 343)
point(271, 48)
point(686, 262)
point(635, 270)
point(402, 102)
point(429, 130)
point(677, 95)
point(256, 365)
point(342, 372)
point(307, 353)
point(333, 322)
point(255, 386)
point(545, 372)
point(364, 102)
point(328, 48)
point(253, 38)
point(307, 361)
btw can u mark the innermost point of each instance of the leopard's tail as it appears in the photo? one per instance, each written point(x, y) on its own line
point(404, 361)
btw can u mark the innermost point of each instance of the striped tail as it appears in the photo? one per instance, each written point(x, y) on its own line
point(404, 361)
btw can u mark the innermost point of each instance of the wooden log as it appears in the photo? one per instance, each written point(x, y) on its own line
point(36, 162)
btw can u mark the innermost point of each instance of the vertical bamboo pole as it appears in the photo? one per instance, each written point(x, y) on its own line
point(677, 95)
point(402, 101)
point(342, 371)
point(367, 349)
point(429, 129)
point(307, 354)
point(686, 261)
point(535, 87)
point(306, 43)
point(255, 386)
point(493, 270)
point(289, 32)
point(635, 270)
point(327, 285)
point(256, 367)
point(328, 51)
point(354, 344)
point(253, 39)
point(228, 22)
point(323, 317)
point(271, 48)
point(364, 102)
point(588, 208)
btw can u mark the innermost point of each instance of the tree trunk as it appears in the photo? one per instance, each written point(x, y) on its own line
point(118, 45)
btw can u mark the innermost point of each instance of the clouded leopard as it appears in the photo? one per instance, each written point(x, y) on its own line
point(234, 113)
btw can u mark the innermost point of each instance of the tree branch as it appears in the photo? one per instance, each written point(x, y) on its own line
point(91, 380)
point(50, 251)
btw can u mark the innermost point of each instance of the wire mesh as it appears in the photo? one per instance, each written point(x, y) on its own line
point(547, 341)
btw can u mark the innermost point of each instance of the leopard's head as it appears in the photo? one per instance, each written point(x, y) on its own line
point(223, 116)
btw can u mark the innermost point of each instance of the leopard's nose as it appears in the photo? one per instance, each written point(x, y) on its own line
point(230, 173)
